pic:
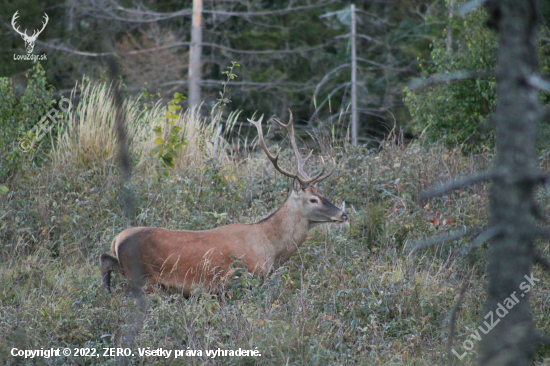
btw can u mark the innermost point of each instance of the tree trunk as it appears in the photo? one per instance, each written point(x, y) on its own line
point(195, 52)
point(449, 45)
point(512, 202)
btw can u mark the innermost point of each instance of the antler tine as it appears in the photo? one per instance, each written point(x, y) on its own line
point(300, 161)
point(318, 177)
point(273, 159)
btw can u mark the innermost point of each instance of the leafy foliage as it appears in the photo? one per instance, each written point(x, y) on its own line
point(19, 114)
point(168, 146)
point(224, 100)
point(457, 112)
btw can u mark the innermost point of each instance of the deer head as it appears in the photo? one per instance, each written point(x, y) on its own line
point(29, 40)
point(304, 197)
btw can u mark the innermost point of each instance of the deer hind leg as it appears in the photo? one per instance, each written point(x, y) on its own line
point(108, 265)
point(129, 257)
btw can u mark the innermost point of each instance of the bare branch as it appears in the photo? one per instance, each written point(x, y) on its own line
point(267, 52)
point(179, 44)
point(452, 322)
point(385, 21)
point(484, 236)
point(382, 66)
point(328, 75)
point(459, 184)
point(537, 82)
point(452, 235)
point(81, 53)
point(271, 12)
point(370, 39)
point(151, 16)
point(419, 83)
point(470, 6)
point(344, 85)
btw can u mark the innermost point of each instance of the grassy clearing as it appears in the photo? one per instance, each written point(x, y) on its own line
point(347, 297)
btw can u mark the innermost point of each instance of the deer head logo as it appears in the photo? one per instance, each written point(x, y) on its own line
point(29, 40)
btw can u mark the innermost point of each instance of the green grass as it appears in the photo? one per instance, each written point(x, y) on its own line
point(352, 296)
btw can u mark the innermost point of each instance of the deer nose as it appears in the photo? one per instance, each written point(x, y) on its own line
point(345, 216)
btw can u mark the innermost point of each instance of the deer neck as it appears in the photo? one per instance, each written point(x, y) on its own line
point(285, 231)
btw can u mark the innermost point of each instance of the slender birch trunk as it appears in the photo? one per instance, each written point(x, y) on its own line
point(195, 53)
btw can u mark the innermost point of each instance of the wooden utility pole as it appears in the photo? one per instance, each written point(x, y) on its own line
point(195, 52)
point(353, 80)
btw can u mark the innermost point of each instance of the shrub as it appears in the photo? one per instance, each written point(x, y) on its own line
point(457, 112)
point(19, 115)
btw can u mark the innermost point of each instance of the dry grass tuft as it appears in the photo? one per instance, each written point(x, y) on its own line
point(88, 137)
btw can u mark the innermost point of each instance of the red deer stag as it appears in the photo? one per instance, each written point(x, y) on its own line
point(181, 259)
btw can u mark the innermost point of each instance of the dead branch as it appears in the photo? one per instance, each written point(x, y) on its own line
point(452, 322)
point(538, 83)
point(152, 16)
point(484, 236)
point(180, 44)
point(459, 184)
point(464, 9)
point(419, 83)
point(453, 235)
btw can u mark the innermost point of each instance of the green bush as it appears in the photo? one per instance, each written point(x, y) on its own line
point(457, 112)
point(18, 115)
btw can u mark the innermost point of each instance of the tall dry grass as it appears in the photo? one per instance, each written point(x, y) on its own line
point(88, 136)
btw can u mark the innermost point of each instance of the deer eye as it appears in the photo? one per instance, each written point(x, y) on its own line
point(313, 200)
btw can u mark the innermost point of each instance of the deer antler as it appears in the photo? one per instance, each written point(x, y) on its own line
point(15, 16)
point(300, 161)
point(302, 176)
point(273, 159)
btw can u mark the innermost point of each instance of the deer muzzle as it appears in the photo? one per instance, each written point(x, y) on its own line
point(341, 217)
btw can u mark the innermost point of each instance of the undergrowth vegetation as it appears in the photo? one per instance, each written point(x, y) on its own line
point(351, 295)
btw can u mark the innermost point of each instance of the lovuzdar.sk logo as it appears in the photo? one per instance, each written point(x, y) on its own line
point(29, 40)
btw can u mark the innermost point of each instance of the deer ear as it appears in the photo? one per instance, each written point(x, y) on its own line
point(296, 185)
